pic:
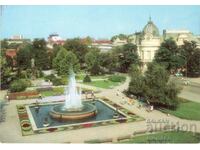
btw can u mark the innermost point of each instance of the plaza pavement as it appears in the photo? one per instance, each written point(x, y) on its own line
point(10, 131)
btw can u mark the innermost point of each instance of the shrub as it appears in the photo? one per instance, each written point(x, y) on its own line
point(64, 80)
point(117, 78)
point(27, 82)
point(50, 77)
point(40, 73)
point(23, 74)
point(87, 79)
point(57, 81)
point(19, 85)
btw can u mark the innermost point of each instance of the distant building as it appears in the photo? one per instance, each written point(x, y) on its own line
point(17, 39)
point(54, 39)
point(119, 42)
point(103, 45)
point(180, 36)
point(149, 40)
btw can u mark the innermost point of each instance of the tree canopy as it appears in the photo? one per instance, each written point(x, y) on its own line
point(126, 55)
point(78, 47)
point(155, 86)
point(169, 55)
point(64, 61)
point(92, 61)
point(40, 54)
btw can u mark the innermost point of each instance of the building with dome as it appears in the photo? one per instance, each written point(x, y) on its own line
point(149, 40)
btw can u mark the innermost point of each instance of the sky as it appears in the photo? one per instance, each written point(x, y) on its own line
point(100, 22)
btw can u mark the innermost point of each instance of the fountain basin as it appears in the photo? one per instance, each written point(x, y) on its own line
point(58, 113)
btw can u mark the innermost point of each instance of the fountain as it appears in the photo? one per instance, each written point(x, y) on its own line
point(73, 108)
point(72, 95)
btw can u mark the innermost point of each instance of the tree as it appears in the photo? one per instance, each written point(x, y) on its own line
point(64, 60)
point(56, 49)
point(4, 44)
point(24, 56)
point(92, 61)
point(19, 85)
point(120, 36)
point(169, 56)
point(192, 62)
point(78, 47)
point(107, 62)
point(40, 54)
point(137, 84)
point(5, 72)
point(127, 55)
point(159, 90)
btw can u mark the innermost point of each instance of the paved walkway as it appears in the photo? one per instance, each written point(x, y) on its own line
point(10, 130)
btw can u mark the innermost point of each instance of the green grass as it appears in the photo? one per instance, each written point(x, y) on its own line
point(55, 91)
point(58, 91)
point(166, 137)
point(186, 110)
point(106, 84)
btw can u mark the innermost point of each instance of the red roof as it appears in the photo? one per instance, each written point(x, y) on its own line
point(11, 52)
point(102, 41)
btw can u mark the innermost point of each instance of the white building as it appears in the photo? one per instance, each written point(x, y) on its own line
point(103, 45)
point(54, 39)
point(149, 40)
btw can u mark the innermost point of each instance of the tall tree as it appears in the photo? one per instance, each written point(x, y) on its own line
point(64, 60)
point(24, 56)
point(192, 59)
point(108, 62)
point(127, 55)
point(4, 44)
point(92, 60)
point(137, 84)
point(42, 59)
point(159, 90)
point(169, 55)
point(5, 72)
point(77, 47)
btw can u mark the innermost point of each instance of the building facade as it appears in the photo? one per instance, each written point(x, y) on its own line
point(149, 40)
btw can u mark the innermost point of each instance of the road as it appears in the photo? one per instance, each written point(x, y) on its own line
point(190, 91)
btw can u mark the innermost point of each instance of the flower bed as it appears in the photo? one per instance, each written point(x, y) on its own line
point(23, 95)
point(27, 129)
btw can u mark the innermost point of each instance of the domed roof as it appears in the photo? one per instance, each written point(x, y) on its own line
point(150, 28)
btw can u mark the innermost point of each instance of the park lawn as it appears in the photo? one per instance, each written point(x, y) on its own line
point(55, 91)
point(106, 84)
point(166, 137)
point(186, 110)
point(59, 91)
